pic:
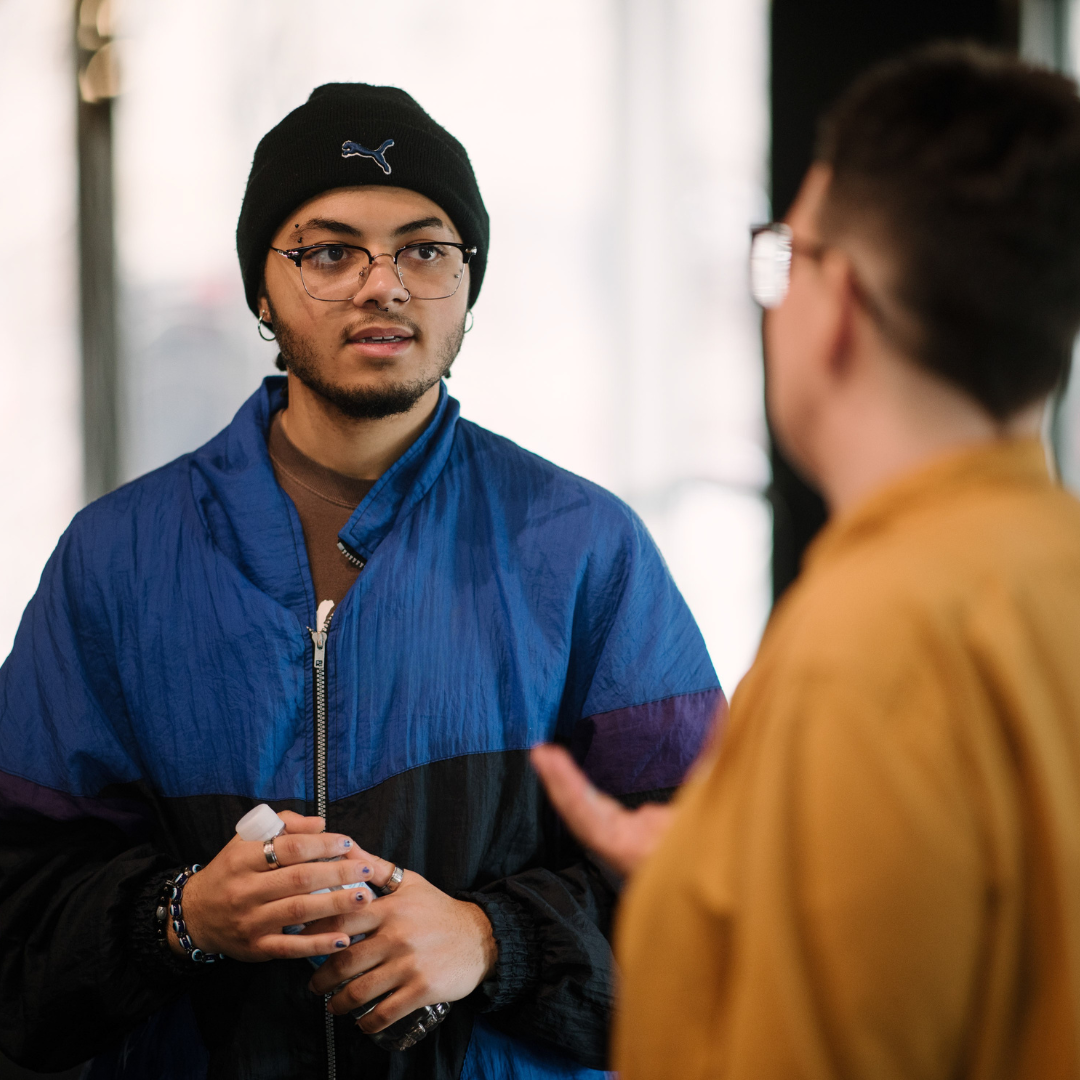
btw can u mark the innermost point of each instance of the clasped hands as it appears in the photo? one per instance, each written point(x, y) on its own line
point(421, 945)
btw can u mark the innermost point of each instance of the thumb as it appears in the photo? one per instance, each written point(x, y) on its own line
point(590, 815)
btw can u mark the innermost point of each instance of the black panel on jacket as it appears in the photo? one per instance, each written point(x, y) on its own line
point(476, 826)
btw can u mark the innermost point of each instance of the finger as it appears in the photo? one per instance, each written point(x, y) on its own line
point(293, 946)
point(297, 823)
point(594, 818)
point(295, 849)
point(380, 868)
point(360, 958)
point(385, 978)
point(296, 882)
point(353, 921)
point(311, 905)
point(402, 1001)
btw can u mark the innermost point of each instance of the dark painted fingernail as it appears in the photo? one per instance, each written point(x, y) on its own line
point(366, 870)
point(360, 895)
point(346, 843)
point(342, 944)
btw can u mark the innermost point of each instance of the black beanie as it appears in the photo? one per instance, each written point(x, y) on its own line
point(348, 134)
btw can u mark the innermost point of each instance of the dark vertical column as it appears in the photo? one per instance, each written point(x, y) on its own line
point(818, 47)
point(97, 84)
point(1044, 39)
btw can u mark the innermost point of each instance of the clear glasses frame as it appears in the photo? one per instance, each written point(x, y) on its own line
point(296, 255)
point(771, 249)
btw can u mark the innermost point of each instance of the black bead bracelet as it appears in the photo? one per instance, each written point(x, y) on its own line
point(169, 907)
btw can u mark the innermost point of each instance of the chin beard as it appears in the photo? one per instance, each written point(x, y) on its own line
point(362, 403)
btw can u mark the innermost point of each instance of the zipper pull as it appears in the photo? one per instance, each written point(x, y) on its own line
point(318, 636)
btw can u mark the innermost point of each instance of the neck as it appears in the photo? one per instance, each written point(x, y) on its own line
point(362, 449)
point(895, 425)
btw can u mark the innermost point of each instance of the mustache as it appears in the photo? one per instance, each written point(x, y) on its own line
point(380, 320)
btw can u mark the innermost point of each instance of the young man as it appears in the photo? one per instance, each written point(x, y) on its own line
point(878, 874)
point(363, 609)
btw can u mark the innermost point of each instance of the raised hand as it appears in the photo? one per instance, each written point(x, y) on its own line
point(621, 837)
point(238, 904)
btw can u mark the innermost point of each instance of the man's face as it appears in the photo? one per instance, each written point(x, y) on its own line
point(802, 332)
point(331, 346)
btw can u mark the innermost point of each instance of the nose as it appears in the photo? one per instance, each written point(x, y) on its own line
point(381, 287)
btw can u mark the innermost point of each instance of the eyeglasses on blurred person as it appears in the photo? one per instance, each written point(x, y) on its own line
point(356, 606)
point(876, 872)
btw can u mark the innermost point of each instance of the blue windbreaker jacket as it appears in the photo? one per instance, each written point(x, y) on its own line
point(161, 684)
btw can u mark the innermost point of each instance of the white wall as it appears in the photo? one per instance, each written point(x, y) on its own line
point(40, 433)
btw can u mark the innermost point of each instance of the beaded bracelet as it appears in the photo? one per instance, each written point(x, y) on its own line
point(169, 904)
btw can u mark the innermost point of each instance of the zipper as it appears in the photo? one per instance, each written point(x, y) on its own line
point(318, 638)
point(351, 557)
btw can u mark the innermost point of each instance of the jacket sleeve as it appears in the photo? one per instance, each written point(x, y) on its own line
point(641, 698)
point(79, 877)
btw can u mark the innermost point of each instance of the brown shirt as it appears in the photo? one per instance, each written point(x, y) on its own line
point(325, 500)
point(878, 874)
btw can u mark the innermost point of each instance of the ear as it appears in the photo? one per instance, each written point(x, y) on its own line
point(838, 277)
point(263, 302)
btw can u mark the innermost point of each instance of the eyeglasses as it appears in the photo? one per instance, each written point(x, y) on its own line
point(428, 269)
point(771, 248)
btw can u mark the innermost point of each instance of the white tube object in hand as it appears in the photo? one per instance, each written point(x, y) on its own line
point(261, 823)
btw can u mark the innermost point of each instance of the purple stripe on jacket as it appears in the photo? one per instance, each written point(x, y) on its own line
point(23, 800)
point(650, 746)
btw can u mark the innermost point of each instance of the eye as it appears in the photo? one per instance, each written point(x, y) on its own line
point(425, 253)
point(329, 257)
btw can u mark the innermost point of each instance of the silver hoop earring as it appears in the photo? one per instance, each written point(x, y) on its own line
point(261, 324)
point(472, 321)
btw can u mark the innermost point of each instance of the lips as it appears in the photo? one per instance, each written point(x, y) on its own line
point(381, 342)
point(380, 335)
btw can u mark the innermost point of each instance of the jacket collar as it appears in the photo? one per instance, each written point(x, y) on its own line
point(993, 464)
point(254, 525)
point(405, 483)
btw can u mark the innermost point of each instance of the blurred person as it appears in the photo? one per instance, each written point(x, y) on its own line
point(877, 871)
point(364, 609)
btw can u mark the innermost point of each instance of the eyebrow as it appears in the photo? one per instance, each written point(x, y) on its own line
point(329, 225)
point(423, 223)
point(345, 229)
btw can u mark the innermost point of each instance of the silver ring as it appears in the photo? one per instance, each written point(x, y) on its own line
point(393, 881)
point(271, 854)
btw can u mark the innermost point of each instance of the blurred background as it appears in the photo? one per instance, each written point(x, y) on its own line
point(623, 148)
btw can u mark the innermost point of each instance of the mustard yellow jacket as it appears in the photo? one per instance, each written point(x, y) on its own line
point(878, 873)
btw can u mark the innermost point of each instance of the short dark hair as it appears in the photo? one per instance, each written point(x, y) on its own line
point(967, 163)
